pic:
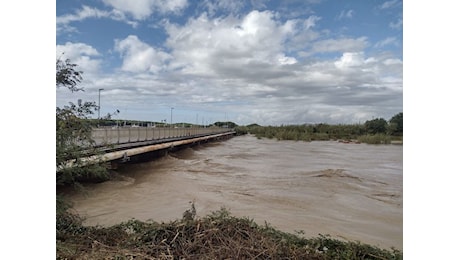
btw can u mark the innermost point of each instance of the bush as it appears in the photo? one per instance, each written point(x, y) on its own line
point(375, 139)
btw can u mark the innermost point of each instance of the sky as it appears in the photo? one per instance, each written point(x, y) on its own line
point(259, 61)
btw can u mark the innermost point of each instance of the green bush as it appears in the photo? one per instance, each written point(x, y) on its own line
point(375, 139)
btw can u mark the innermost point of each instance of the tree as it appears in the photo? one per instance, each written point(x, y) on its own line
point(376, 126)
point(227, 124)
point(73, 131)
point(396, 124)
point(67, 76)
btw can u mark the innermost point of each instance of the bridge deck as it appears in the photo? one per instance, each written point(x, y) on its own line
point(112, 149)
point(124, 153)
point(134, 144)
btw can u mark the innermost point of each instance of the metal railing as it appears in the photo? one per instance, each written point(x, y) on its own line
point(122, 135)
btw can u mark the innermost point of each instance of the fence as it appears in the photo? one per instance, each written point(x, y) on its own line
point(121, 135)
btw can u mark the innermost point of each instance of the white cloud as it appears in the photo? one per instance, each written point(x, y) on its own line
point(138, 9)
point(348, 89)
point(141, 9)
point(247, 64)
point(283, 60)
point(390, 4)
point(85, 56)
point(392, 62)
point(243, 60)
point(387, 41)
point(350, 59)
point(311, 22)
point(397, 25)
point(139, 56)
point(303, 35)
point(228, 45)
point(212, 6)
point(259, 24)
point(346, 14)
point(340, 45)
point(259, 4)
point(86, 12)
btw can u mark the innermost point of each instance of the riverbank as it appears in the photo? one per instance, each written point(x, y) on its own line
point(215, 236)
point(322, 132)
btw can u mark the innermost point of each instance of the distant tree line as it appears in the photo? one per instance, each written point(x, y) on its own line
point(384, 130)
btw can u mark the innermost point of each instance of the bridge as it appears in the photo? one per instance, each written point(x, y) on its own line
point(122, 144)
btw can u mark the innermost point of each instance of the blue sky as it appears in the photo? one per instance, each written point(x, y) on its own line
point(259, 61)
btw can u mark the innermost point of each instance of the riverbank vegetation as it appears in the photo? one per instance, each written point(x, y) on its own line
point(215, 236)
point(375, 131)
point(73, 131)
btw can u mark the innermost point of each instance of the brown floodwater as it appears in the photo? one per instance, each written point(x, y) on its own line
point(349, 191)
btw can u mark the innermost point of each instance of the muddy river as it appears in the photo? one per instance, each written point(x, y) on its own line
point(349, 191)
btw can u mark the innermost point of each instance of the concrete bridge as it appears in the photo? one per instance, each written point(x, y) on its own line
point(128, 136)
point(122, 144)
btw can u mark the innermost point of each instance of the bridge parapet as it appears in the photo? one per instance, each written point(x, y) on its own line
point(124, 135)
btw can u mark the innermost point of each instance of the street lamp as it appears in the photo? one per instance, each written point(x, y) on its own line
point(170, 122)
point(99, 106)
point(171, 114)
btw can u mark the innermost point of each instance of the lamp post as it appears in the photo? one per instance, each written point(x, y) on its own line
point(163, 122)
point(171, 121)
point(99, 106)
point(171, 114)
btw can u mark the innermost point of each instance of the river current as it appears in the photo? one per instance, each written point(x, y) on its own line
point(349, 191)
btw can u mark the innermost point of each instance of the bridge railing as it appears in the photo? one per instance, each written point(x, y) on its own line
point(121, 135)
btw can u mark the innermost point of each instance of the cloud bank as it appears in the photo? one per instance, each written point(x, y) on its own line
point(254, 68)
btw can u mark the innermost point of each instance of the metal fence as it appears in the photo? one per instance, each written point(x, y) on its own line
point(121, 135)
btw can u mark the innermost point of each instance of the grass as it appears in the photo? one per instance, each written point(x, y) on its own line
point(215, 236)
